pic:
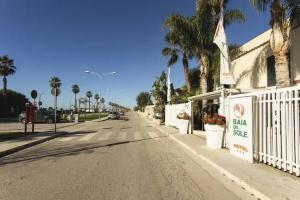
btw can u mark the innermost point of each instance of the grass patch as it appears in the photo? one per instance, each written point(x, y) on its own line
point(91, 116)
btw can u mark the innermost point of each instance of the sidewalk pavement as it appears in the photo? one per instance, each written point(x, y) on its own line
point(12, 146)
point(261, 180)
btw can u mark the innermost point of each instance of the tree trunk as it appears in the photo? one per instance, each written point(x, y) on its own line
point(75, 105)
point(279, 43)
point(4, 86)
point(186, 69)
point(89, 105)
point(203, 74)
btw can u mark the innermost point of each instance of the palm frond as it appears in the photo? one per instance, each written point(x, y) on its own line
point(233, 15)
point(260, 5)
point(293, 10)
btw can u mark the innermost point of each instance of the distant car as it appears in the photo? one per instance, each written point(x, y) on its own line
point(41, 117)
point(113, 115)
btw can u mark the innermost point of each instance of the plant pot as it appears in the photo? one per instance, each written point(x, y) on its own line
point(183, 126)
point(214, 136)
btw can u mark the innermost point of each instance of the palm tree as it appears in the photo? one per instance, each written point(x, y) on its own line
point(97, 97)
point(75, 90)
point(284, 15)
point(102, 100)
point(205, 23)
point(179, 43)
point(89, 95)
point(55, 82)
point(7, 68)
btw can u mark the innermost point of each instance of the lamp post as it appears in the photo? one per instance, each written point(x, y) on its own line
point(100, 76)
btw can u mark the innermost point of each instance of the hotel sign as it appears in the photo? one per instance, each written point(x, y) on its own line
point(241, 127)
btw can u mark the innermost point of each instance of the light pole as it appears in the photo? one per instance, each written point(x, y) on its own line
point(100, 79)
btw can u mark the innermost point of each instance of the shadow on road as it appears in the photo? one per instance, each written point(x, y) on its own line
point(67, 150)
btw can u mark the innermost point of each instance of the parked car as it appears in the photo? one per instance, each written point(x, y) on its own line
point(113, 115)
point(41, 117)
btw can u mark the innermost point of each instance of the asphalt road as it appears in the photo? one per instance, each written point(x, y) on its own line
point(114, 159)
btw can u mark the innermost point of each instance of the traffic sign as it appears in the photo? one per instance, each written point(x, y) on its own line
point(33, 94)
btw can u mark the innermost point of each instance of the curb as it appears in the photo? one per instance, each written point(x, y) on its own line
point(25, 146)
point(223, 171)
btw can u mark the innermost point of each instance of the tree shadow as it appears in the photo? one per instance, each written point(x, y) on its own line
point(63, 151)
point(258, 68)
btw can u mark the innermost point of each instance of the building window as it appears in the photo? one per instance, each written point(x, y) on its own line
point(271, 75)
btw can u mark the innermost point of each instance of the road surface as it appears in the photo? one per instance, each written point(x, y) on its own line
point(110, 160)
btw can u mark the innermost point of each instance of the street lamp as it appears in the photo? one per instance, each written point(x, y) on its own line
point(99, 78)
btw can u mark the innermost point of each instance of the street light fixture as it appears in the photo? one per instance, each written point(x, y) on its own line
point(99, 77)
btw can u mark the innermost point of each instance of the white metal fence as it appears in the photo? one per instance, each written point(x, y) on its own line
point(277, 119)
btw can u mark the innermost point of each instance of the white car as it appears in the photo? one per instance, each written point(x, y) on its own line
point(112, 115)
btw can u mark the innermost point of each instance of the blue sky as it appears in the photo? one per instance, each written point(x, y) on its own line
point(64, 37)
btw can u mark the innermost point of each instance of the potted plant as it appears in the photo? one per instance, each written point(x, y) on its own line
point(183, 125)
point(214, 125)
point(159, 114)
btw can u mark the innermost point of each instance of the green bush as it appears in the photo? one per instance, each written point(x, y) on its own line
point(12, 104)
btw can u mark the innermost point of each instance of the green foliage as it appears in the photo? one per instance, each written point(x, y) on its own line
point(159, 89)
point(75, 89)
point(102, 100)
point(7, 66)
point(97, 97)
point(177, 99)
point(55, 82)
point(15, 103)
point(89, 94)
point(143, 99)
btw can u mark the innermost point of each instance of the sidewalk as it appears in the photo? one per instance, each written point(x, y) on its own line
point(12, 146)
point(261, 180)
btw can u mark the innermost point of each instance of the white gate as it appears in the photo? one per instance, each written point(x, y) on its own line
point(276, 134)
point(278, 128)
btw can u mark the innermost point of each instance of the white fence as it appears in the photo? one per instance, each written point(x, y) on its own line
point(278, 128)
point(171, 112)
point(276, 132)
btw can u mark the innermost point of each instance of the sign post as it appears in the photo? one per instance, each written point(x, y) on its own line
point(241, 127)
point(55, 92)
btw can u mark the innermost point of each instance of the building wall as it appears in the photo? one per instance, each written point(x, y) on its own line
point(295, 55)
point(250, 70)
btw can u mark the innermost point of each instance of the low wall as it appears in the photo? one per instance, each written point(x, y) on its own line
point(172, 111)
point(149, 112)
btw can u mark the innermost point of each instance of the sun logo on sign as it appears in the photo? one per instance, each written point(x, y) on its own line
point(238, 110)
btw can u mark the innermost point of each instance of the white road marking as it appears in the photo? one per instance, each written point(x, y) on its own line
point(105, 136)
point(88, 136)
point(153, 134)
point(122, 135)
point(65, 139)
point(137, 135)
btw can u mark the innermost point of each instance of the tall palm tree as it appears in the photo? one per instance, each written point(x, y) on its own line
point(75, 90)
point(97, 97)
point(179, 43)
point(55, 82)
point(284, 15)
point(205, 23)
point(7, 68)
point(102, 100)
point(89, 95)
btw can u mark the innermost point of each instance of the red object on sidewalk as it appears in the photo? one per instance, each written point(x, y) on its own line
point(30, 114)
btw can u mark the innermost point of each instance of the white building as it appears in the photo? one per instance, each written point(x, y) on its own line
point(254, 68)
